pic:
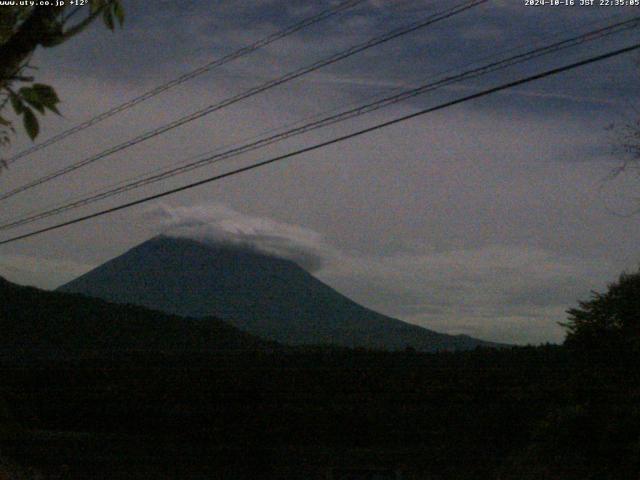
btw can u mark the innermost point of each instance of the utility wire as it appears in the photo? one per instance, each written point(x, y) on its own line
point(248, 93)
point(332, 119)
point(188, 76)
point(110, 188)
point(70, 202)
point(483, 93)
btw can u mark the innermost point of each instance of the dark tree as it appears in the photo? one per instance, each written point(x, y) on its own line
point(23, 29)
point(609, 322)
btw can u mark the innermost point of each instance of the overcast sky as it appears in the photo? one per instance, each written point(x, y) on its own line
point(489, 218)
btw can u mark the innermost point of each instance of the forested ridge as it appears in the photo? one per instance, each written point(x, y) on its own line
point(521, 412)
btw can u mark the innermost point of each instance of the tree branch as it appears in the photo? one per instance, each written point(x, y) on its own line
point(76, 29)
point(34, 29)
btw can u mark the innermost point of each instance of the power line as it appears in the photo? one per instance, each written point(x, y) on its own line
point(375, 41)
point(343, 138)
point(75, 199)
point(330, 120)
point(325, 14)
point(82, 198)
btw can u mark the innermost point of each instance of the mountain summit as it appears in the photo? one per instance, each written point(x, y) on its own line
point(267, 296)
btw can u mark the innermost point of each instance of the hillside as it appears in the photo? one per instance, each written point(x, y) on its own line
point(267, 296)
point(222, 404)
point(41, 324)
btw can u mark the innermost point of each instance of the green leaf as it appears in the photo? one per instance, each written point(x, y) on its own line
point(108, 19)
point(47, 96)
point(31, 123)
point(16, 103)
point(46, 93)
point(32, 98)
point(94, 6)
point(54, 109)
point(118, 11)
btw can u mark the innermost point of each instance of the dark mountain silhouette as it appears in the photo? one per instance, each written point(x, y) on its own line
point(267, 296)
point(39, 324)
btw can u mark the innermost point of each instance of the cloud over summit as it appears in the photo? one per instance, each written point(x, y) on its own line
point(221, 225)
point(505, 292)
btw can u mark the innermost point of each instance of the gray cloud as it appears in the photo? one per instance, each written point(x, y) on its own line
point(510, 293)
point(484, 219)
point(40, 272)
point(219, 224)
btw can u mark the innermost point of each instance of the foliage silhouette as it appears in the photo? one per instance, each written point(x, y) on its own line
point(117, 399)
point(606, 328)
point(24, 28)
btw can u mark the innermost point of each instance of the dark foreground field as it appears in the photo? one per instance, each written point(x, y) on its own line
point(97, 390)
point(516, 413)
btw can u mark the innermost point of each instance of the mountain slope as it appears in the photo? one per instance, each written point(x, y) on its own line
point(266, 296)
point(35, 323)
